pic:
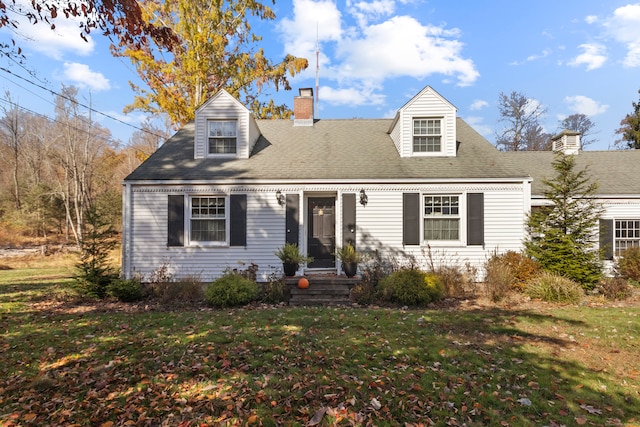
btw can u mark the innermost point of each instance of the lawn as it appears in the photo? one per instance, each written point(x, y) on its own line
point(69, 361)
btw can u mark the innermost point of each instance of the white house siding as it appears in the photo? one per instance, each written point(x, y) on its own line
point(148, 239)
point(225, 107)
point(396, 137)
point(379, 225)
point(428, 105)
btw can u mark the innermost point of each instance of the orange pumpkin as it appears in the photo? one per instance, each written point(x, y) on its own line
point(303, 283)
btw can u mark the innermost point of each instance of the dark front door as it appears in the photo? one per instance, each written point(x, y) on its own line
point(321, 223)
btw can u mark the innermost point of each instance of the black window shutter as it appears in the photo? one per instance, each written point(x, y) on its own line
point(349, 220)
point(411, 218)
point(292, 218)
point(238, 217)
point(175, 226)
point(475, 219)
point(606, 238)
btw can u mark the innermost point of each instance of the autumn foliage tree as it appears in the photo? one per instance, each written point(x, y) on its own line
point(630, 128)
point(216, 48)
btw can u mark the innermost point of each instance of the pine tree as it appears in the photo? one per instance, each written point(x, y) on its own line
point(562, 236)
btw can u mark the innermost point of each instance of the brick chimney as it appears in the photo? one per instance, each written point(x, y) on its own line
point(303, 108)
point(567, 141)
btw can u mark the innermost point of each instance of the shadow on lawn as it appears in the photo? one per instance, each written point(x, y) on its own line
point(280, 366)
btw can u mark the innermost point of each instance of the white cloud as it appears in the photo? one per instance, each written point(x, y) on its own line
point(402, 46)
point(585, 105)
point(350, 97)
point(376, 47)
point(593, 56)
point(624, 27)
point(478, 104)
point(82, 76)
point(363, 11)
point(51, 43)
point(591, 19)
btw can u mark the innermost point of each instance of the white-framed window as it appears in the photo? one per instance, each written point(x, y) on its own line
point(441, 217)
point(208, 219)
point(222, 136)
point(427, 135)
point(627, 234)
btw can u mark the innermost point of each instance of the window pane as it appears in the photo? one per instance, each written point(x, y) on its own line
point(218, 128)
point(627, 235)
point(222, 137)
point(211, 230)
point(441, 229)
point(208, 221)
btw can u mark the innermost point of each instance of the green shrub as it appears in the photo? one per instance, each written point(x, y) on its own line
point(125, 290)
point(411, 287)
point(554, 288)
point(614, 288)
point(231, 290)
point(628, 264)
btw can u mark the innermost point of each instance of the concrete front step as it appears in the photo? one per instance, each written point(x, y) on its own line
point(322, 290)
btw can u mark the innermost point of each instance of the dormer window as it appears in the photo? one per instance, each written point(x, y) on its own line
point(427, 135)
point(222, 136)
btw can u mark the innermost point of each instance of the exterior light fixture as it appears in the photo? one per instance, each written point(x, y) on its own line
point(280, 198)
point(364, 199)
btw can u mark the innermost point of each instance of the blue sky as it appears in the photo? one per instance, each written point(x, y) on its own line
point(570, 56)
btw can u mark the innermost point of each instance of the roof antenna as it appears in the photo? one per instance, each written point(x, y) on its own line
point(317, 72)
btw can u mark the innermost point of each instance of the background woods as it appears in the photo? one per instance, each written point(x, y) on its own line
point(52, 171)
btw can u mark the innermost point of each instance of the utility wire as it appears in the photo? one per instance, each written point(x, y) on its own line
point(80, 104)
point(44, 116)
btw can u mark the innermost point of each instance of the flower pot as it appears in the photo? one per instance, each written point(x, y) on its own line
point(289, 268)
point(350, 268)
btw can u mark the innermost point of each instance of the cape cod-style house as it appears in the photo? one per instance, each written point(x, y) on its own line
point(228, 189)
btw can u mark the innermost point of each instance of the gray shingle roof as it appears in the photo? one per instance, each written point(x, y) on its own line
point(358, 149)
point(616, 172)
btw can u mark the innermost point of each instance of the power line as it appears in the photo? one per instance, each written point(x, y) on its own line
point(79, 103)
point(44, 116)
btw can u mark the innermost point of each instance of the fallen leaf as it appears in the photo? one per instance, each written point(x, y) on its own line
point(590, 409)
point(376, 404)
point(581, 420)
point(317, 417)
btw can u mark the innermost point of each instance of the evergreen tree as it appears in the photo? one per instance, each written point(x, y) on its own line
point(562, 236)
point(95, 273)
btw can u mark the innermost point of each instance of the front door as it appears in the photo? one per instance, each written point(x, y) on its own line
point(321, 226)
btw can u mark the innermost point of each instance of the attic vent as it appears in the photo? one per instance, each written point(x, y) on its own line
point(303, 108)
point(567, 142)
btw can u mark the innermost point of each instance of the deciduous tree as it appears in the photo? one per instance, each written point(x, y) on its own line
point(521, 117)
point(216, 49)
point(11, 135)
point(630, 128)
point(580, 123)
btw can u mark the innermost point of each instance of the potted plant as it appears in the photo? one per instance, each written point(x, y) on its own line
point(291, 258)
point(349, 258)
